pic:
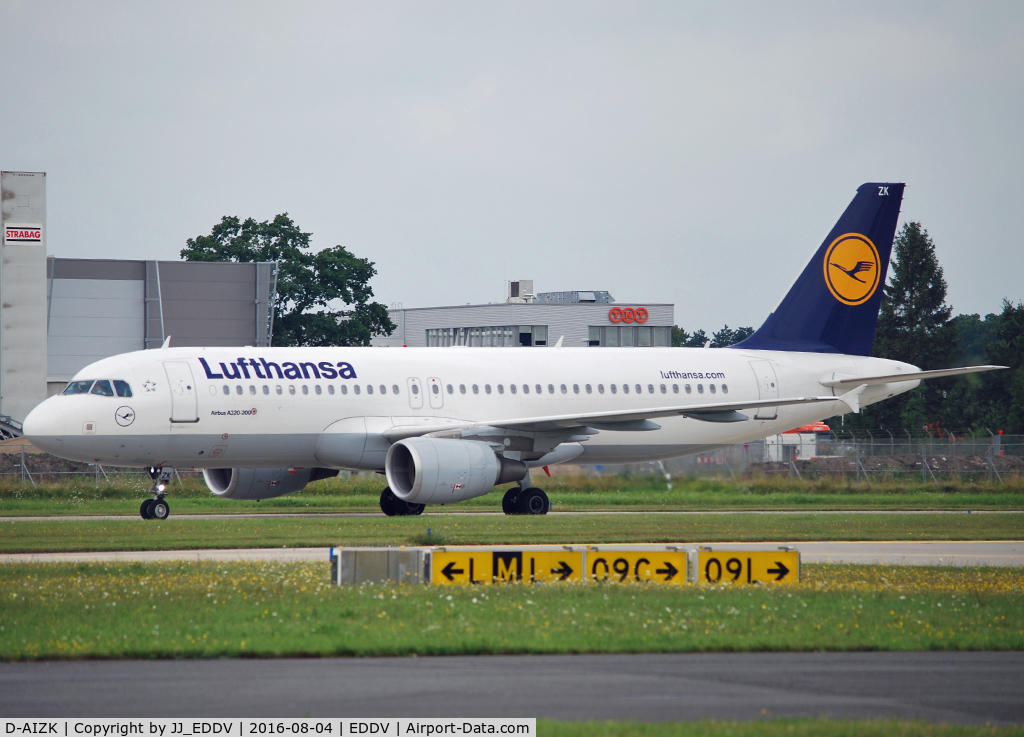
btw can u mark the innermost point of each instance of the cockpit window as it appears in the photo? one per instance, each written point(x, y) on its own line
point(123, 390)
point(78, 387)
point(103, 388)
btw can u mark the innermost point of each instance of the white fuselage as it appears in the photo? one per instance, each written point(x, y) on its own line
point(208, 421)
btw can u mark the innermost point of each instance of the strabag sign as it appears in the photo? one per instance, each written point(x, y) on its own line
point(23, 234)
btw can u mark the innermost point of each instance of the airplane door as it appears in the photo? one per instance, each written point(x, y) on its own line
point(435, 392)
point(184, 407)
point(415, 393)
point(767, 388)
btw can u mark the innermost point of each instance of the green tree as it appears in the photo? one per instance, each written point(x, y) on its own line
point(914, 326)
point(309, 285)
point(1003, 391)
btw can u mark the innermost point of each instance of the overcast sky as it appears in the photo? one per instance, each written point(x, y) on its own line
point(667, 152)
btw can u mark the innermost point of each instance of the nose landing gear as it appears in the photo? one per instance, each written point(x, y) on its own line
point(157, 507)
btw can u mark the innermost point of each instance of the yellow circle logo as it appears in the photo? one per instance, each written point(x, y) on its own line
point(852, 268)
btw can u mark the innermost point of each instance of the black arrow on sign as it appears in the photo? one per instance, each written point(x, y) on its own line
point(564, 571)
point(450, 569)
point(781, 570)
point(670, 571)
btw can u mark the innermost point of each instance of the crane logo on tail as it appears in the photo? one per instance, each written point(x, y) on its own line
point(852, 268)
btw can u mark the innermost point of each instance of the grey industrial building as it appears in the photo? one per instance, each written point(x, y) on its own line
point(58, 315)
point(578, 318)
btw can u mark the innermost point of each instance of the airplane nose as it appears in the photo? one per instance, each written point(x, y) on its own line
point(44, 427)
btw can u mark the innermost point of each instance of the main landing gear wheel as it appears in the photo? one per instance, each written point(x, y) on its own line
point(392, 506)
point(508, 502)
point(532, 501)
point(144, 509)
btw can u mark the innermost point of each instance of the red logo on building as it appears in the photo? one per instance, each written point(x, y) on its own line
point(628, 314)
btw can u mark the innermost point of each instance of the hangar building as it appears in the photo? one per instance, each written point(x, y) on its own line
point(57, 315)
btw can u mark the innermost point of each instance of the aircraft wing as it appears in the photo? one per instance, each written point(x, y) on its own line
point(621, 420)
point(840, 381)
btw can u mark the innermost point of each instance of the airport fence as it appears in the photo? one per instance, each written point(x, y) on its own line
point(860, 455)
point(865, 455)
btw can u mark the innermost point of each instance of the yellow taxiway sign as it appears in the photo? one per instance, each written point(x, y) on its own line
point(505, 566)
point(748, 566)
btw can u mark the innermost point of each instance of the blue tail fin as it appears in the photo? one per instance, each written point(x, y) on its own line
point(833, 306)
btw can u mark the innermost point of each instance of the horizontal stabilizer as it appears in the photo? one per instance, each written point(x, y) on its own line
point(911, 376)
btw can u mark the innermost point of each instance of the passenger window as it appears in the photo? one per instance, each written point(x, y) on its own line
point(122, 388)
point(462, 388)
point(355, 388)
point(227, 389)
point(625, 388)
point(476, 389)
point(487, 388)
point(415, 390)
point(330, 389)
point(318, 389)
point(639, 389)
point(501, 388)
point(238, 389)
point(103, 388)
point(252, 388)
point(551, 388)
point(675, 388)
point(589, 390)
point(435, 388)
point(369, 389)
point(394, 388)
point(451, 389)
point(526, 388)
point(664, 389)
point(78, 387)
point(266, 389)
point(712, 388)
point(564, 390)
point(305, 389)
point(512, 388)
point(538, 388)
point(700, 388)
point(600, 388)
point(614, 388)
point(344, 389)
point(384, 389)
point(725, 388)
point(650, 388)
point(575, 388)
point(687, 388)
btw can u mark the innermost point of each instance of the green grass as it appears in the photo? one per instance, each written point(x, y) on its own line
point(277, 609)
point(232, 532)
point(360, 493)
point(771, 728)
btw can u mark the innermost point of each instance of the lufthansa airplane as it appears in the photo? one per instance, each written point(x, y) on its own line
point(448, 424)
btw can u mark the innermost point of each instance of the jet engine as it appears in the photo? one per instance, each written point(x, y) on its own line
point(439, 471)
point(261, 483)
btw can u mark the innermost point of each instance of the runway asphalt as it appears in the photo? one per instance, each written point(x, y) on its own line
point(946, 553)
point(308, 515)
point(959, 687)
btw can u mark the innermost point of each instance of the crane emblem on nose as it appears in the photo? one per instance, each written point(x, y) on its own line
point(124, 416)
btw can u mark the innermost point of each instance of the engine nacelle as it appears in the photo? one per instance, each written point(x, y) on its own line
point(261, 483)
point(440, 471)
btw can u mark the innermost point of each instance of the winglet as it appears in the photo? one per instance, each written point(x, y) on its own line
point(852, 398)
point(559, 343)
point(167, 342)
